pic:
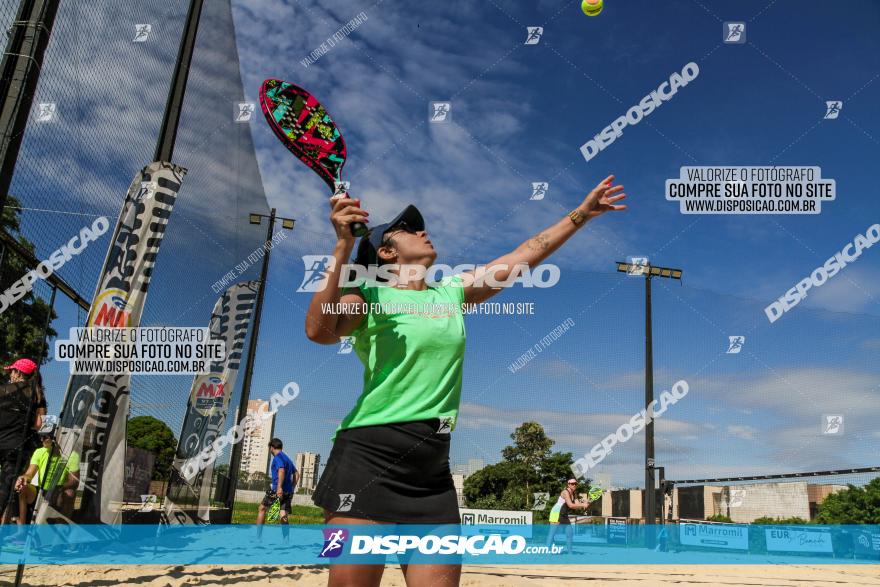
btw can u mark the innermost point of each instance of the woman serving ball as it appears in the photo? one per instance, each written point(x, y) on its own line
point(390, 458)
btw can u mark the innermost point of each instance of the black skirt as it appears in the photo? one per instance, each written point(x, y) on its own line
point(395, 473)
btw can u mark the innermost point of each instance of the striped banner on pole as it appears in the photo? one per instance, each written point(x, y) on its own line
point(188, 499)
point(95, 409)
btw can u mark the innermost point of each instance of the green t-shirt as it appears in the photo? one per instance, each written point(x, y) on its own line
point(412, 346)
point(41, 459)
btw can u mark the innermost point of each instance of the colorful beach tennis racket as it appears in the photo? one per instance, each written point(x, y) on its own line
point(306, 129)
point(273, 511)
point(595, 492)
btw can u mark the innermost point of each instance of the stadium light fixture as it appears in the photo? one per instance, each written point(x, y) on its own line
point(286, 223)
point(649, 271)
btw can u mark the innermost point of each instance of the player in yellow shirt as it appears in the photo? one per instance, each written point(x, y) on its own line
point(63, 473)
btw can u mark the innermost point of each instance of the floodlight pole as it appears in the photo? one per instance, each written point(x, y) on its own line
point(650, 515)
point(235, 460)
point(649, 501)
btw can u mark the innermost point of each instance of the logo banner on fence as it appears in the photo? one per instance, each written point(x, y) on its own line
point(867, 543)
point(93, 422)
point(472, 517)
point(715, 535)
point(617, 530)
point(791, 540)
point(209, 404)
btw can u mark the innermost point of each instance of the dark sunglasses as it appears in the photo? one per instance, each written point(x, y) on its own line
point(400, 226)
point(404, 227)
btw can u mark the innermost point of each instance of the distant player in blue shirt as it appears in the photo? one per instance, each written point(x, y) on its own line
point(285, 478)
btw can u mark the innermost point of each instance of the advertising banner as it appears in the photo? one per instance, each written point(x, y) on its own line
point(732, 536)
point(93, 422)
point(791, 540)
point(471, 517)
point(208, 407)
point(616, 530)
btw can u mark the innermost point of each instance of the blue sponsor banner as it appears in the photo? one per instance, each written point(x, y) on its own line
point(491, 544)
point(866, 542)
point(617, 530)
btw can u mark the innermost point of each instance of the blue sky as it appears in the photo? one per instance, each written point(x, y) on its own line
point(520, 114)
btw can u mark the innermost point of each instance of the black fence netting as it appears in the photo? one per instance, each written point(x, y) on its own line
point(94, 125)
point(8, 11)
point(94, 122)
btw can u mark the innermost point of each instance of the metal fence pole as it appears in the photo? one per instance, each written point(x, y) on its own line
point(171, 119)
point(19, 73)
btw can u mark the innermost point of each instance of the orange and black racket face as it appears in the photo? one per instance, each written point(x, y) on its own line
point(304, 126)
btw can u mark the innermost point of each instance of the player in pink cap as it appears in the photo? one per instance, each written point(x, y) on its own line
point(23, 366)
point(23, 395)
point(24, 370)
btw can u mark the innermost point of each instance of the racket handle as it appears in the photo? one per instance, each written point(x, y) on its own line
point(358, 228)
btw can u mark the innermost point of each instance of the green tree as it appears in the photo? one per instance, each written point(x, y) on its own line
point(555, 471)
point(767, 521)
point(854, 505)
point(150, 434)
point(258, 480)
point(21, 324)
point(531, 446)
point(527, 467)
point(497, 486)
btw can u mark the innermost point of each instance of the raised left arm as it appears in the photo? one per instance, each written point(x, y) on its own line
point(532, 252)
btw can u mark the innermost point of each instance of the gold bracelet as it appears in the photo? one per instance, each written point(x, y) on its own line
point(577, 217)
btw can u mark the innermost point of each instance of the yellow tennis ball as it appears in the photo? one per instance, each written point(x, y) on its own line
point(591, 7)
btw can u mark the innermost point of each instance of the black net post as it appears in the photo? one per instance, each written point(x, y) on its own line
point(20, 70)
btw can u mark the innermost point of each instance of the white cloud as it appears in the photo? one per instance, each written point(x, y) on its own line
point(572, 431)
point(377, 84)
point(853, 289)
point(797, 393)
point(744, 432)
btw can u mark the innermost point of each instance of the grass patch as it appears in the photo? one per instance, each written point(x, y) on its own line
point(246, 513)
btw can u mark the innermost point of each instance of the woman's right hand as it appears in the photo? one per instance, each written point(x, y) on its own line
point(345, 211)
